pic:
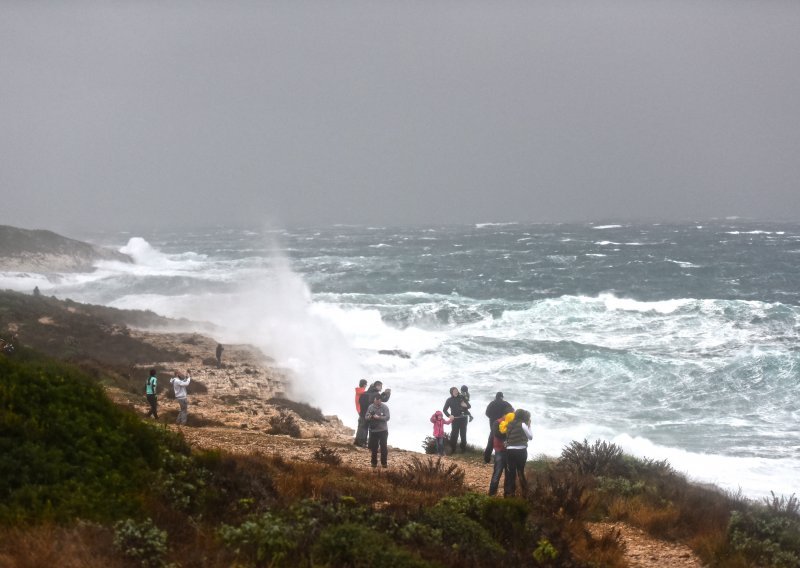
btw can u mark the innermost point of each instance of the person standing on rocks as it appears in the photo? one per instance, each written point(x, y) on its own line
point(179, 384)
point(365, 400)
point(518, 434)
point(151, 388)
point(361, 429)
point(438, 430)
point(500, 455)
point(378, 416)
point(453, 406)
point(494, 411)
point(220, 349)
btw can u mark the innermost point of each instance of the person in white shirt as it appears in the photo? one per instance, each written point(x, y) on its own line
point(179, 384)
point(519, 433)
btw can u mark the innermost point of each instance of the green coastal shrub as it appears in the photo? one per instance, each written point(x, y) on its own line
point(545, 553)
point(470, 542)
point(600, 458)
point(181, 481)
point(766, 537)
point(141, 542)
point(247, 480)
point(66, 450)
point(264, 540)
point(361, 546)
point(282, 538)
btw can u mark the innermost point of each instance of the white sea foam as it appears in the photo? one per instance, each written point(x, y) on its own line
point(663, 307)
point(756, 477)
point(682, 263)
point(607, 227)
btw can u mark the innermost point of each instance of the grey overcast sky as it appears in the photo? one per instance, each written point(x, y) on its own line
point(119, 114)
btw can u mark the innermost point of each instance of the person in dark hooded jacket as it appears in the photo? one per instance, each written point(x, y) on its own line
point(494, 411)
point(453, 405)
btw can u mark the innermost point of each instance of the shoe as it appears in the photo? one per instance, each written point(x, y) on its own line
point(384, 466)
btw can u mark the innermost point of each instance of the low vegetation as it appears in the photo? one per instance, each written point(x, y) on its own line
point(86, 483)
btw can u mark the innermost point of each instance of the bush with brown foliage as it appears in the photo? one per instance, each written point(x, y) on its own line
point(430, 474)
point(285, 424)
point(303, 410)
point(328, 456)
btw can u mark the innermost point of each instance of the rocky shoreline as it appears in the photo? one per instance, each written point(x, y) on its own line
point(246, 392)
point(40, 251)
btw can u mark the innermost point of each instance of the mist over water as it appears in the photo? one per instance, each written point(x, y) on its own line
point(673, 341)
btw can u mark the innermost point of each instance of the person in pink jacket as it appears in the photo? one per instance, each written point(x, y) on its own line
point(438, 430)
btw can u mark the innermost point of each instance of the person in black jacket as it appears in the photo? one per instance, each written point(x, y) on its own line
point(494, 411)
point(454, 405)
point(366, 399)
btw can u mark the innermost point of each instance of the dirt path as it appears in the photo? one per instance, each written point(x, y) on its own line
point(644, 551)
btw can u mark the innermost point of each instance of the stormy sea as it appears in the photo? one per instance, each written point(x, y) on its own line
point(674, 341)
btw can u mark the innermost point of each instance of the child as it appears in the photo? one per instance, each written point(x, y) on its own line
point(438, 430)
point(465, 401)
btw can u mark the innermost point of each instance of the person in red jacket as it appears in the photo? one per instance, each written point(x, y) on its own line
point(361, 429)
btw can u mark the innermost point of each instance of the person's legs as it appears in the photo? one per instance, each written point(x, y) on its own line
point(499, 467)
point(384, 438)
point(487, 453)
point(453, 436)
point(523, 461)
point(463, 429)
point(361, 433)
point(510, 488)
point(153, 400)
point(373, 448)
point(440, 445)
point(183, 412)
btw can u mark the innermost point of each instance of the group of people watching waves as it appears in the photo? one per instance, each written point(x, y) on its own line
point(509, 431)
